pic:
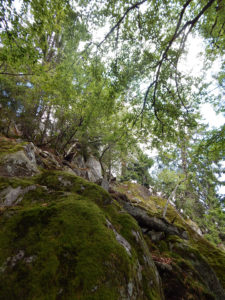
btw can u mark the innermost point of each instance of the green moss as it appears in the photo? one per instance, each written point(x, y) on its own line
point(163, 247)
point(15, 182)
point(174, 239)
point(183, 276)
point(40, 194)
point(135, 191)
point(188, 264)
point(129, 229)
point(62, 226)
point(188, 255)
point(68, 249)
point(185, 282)
point(58, 180)
point(8, 146)
point(149, 290)
point(74, 250)
point(53, 185)
point(214, 256)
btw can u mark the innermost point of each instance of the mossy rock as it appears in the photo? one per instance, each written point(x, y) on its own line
point(8, 146)
point(185, 273)
point(17, 158)
point(198, 267)
point(68, 183)
point(68, 239)
point(52, 185)
point(57, 244)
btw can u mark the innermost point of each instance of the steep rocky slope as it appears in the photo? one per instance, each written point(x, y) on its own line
point(62, 237)
point(190, 267)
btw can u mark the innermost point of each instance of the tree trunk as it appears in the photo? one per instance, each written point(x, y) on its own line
point(172, 196)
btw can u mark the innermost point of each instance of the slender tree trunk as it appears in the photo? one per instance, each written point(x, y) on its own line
point(46, 124)
point(183, 147)
point(71, 136)
point(110, 166)
point(184, 157)
point(172, 196)
point(101, 163)
point(123, 168)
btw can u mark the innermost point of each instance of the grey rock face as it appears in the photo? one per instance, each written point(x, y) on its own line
point(18, 164)
point(94, 169)
point(105, 184)
point(69, 170)
point(12, 196)
point(209, 277)
point(30, 152)
point(121, 240)
point(156, 236)
point(47, 159)
point(78, 166)
point(90, 169)
point(133, 290)
point(79, 161)
point(194, 226)
point(184, 235)
point(152, 223)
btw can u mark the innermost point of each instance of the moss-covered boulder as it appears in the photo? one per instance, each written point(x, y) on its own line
point(62, 237)
point(17, 158)
point(67, 239)
point(190, 267)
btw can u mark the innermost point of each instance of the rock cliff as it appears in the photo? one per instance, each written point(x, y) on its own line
point(63, 237)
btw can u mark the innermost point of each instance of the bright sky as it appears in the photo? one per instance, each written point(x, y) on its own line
point(193, 64)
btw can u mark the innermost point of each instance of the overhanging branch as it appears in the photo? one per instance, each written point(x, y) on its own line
point(178, 31)
point(134, 6)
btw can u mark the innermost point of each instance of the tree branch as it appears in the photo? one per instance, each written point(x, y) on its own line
point(16, 74)
point(177, 33)
point(136, 5)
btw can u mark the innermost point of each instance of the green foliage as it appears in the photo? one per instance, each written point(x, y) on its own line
point(137, 169)
point(214, 222)
point(200, 162)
